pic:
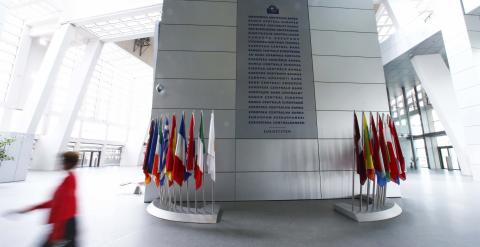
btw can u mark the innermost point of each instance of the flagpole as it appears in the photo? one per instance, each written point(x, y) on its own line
point(174, 197)
point(384, 195)
point(180, 190)
point(373, 194)
point(368, 192)
point(361, 197)
point(203, 192)
point(353, 188)
point(213, 196)
point(188, 201)
point(195, 199)
point(353, 174)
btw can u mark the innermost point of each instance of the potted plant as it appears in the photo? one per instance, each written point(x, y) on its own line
point(4, 143)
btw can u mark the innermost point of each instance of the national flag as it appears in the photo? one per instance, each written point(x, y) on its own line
point(383, 147)
point(170, 157)
point(156, 159)
point(163, 151)
point(367, 150)
point(377, 160)
point(359, 160)
point(180, 151)
point(191, 148)
point(393, 167)
point(147, 152)
point(398, 152)
point(200, 155)
point(153, 145)
point(211, 148)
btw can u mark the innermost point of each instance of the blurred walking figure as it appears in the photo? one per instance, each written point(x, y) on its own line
point(63, 207)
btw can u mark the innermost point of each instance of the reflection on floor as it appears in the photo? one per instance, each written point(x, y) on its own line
point(439, 209)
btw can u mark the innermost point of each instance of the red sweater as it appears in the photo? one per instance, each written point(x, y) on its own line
point(63, 206)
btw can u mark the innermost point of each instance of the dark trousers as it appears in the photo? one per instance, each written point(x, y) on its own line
point(69, 237)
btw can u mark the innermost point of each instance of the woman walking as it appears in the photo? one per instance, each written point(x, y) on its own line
point(63, 207)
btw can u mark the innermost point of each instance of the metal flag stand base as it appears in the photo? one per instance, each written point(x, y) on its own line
point(388, 211)
point(180, 213)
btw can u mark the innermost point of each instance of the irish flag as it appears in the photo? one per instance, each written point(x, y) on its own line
point(180, 151)
point(200, 155)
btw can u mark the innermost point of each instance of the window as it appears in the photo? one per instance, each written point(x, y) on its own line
point(11, 28)
point(385, 26)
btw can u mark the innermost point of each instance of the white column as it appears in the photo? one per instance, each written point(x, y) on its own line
point(437, 82)
point(16, 94)
point(465, 71)
point(42, 87)
point(56, 139)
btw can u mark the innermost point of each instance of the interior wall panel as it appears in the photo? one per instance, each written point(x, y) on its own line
point(206, 94)
point(348, 69)
point(259, 155)
point(199, 13)
point(354, 4)
point(350, 97)
point(334, 43)
point(197, 38)
point(342, 19)
point(278, 185)
point(196, 65)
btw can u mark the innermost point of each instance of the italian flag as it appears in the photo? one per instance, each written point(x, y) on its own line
point(200, 155)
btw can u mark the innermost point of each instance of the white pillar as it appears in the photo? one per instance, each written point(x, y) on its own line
point(465, 71)
point(16, 95)
point(42, 87)
point(437, 82)
point(139, 122)
point(56, 140)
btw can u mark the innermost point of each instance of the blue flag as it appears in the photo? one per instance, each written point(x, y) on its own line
point(153, 145)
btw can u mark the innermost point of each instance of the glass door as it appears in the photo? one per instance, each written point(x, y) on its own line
point(448, 158)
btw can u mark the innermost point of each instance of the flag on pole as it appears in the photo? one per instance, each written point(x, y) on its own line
point(163, 151)
point(191, 148)
point(179, 164)
point(360, 161)
point(211, 148)
point(398, 151)
point(200, 155)
point(153, 145)
point(383, 147)
point(147, 152)
point(393, 167)
point(377, 161)
point(156, 159)
point(170, 159)
point(367, 149)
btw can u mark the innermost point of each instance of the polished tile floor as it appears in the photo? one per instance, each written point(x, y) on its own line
point(439, 209)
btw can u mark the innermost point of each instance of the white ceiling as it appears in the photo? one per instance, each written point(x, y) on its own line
point(126, 25)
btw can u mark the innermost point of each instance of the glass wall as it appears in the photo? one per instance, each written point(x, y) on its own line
point(422, 136)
